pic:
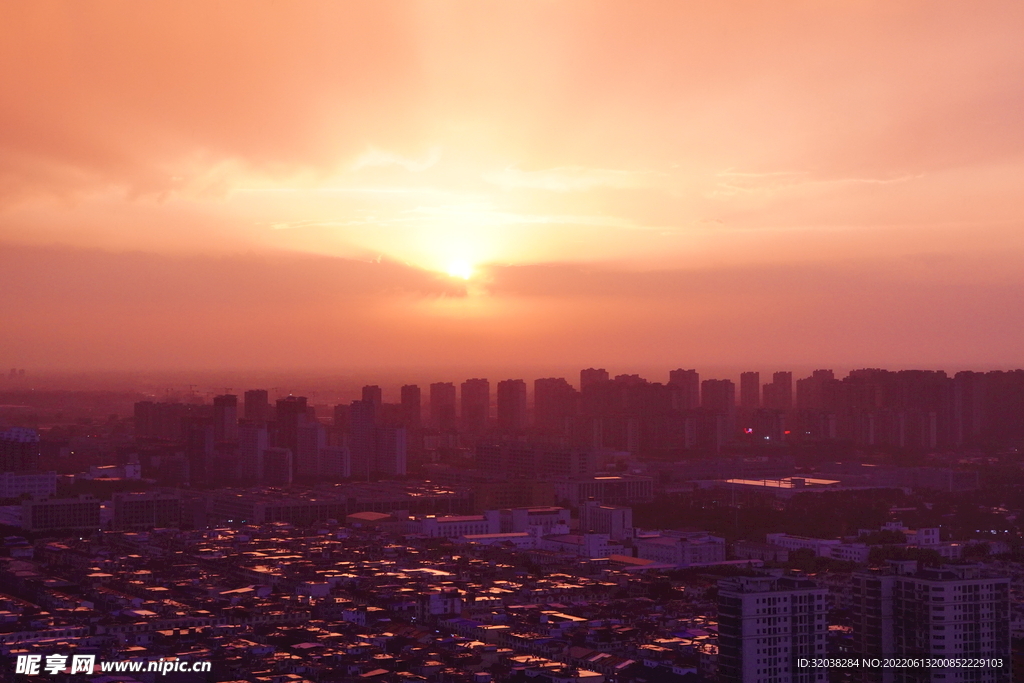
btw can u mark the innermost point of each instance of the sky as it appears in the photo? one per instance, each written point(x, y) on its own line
point(315, 185)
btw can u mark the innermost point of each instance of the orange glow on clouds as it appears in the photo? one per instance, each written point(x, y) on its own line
point(525, 175)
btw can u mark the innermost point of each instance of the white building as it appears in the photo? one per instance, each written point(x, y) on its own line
point(582, 545)
point(681, 548)
point(952, 612)
point(625, 489)
point(35, 484)
point(616, 520)
point(455, 526)
point(542, 520)
point(822, 547)
point(766, 625)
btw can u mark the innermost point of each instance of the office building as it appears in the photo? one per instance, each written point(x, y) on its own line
point(614, 520)
point(766, 625)
point(625, 489)
point(53, 514)
point(145, 510)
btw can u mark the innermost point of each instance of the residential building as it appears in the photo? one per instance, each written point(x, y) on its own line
point(767, 625)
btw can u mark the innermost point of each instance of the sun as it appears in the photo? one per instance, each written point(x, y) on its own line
point(460, 269)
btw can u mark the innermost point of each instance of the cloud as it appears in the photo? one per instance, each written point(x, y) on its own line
point(376, 157)
point(734, 182)
point(567, 179)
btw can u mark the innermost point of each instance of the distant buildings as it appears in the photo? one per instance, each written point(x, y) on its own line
point(257, 405)
point(442, 406)
point(476, 406)
point(511, 405)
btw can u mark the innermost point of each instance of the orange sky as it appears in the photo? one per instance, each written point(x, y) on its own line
point(274, 185)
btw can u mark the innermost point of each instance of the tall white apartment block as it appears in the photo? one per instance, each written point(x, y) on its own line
point(953, 612)
point(767, 625)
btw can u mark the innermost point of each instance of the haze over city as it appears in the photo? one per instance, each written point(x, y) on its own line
point(355, 187)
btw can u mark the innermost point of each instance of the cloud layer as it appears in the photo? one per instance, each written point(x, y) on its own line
point(665, 181)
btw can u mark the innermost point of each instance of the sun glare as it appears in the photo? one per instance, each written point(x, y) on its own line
point(460, 269)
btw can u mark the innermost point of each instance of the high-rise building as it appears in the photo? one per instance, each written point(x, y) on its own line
point(442, 405)
point(555, 401)
point(390, 452)
point(291, 412)
point(817, 392)
point(252, 441)
point(199, 447)
point(766, 625)
point(953, 612)
point(750, 390)
point(362, 417)
point(718, 395)
point(476, 405)
point(374, 395)
point(311, 440)
point(592, 376)
point(257, 405)
point(512, 404)
point(779, 394)
point(411, 406)
point(278, 469)
point(225, 418)
point(336, 462)
point(160, 420)
point(685, 386)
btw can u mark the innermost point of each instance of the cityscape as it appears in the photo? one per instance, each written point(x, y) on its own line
point(604, 528)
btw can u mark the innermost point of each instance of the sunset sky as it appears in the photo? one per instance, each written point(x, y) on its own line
point(352, 185)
